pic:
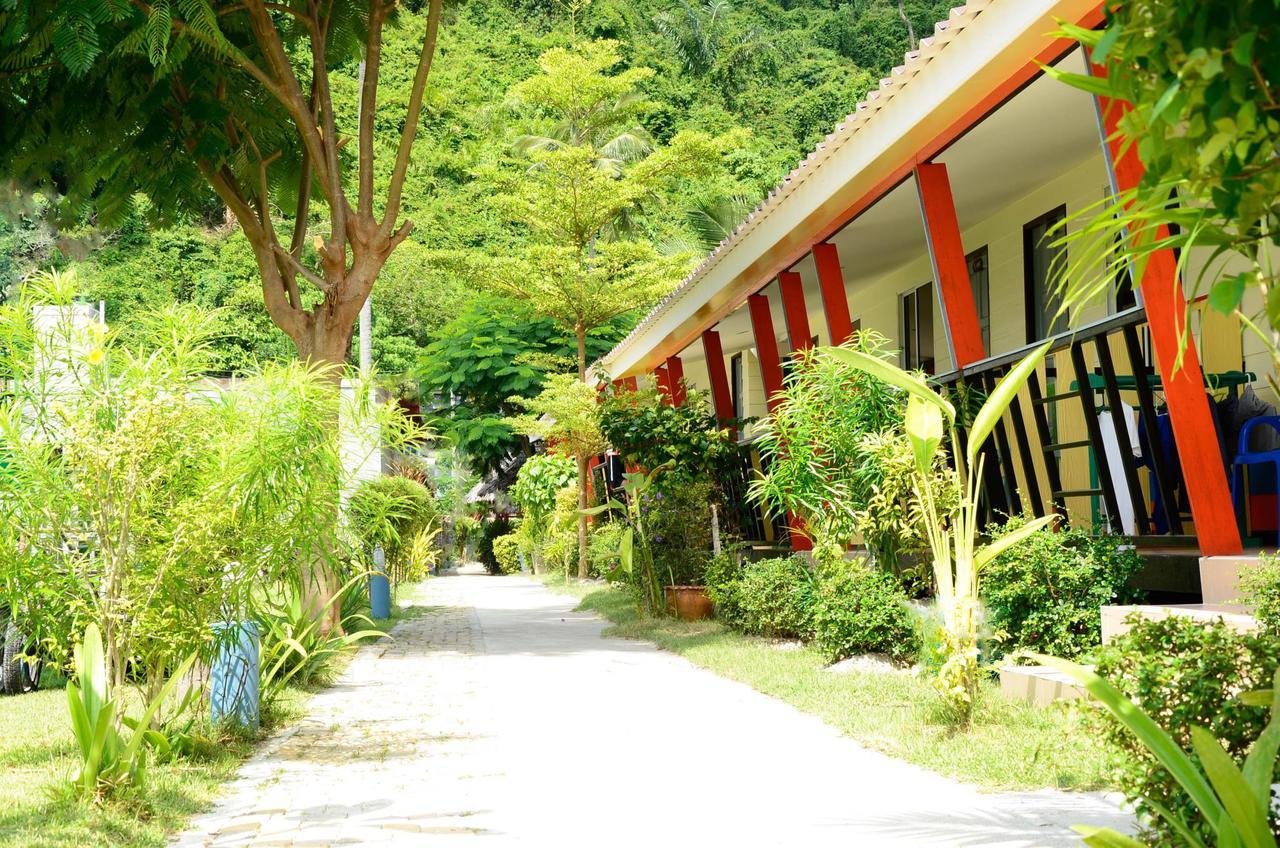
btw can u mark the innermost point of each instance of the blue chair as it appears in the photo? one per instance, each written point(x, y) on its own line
point(1244, 457)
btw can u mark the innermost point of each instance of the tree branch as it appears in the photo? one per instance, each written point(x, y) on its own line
point(312, 277)
point(394, 192)
point(369, 105)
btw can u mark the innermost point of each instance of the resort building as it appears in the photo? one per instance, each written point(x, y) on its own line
point(924, 216)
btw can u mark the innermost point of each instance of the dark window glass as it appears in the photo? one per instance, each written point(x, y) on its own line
point(980, 280)
point(735, 384)
point(1038, 259)
point(915, 310)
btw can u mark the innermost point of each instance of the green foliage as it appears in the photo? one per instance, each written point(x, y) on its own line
point(145, 503)
point(107, 760)
point(486, 547)
point(951, 527)
point(563, 416)
point(506, 552)
point(391, 511)
point(679, 525)
point(820, 447)
point(1201, 79)
point(770, 597)
point(721, 577)
point(1260, 587)
point(1046, 594)
point(1185, 675)
point(635, 557)
point(688, 438)
point(295, 647)
point(492, 352)
point(537, 483)
point(603, 545)
point(858, 609)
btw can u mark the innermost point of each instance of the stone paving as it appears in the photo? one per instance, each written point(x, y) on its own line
point(503, 716)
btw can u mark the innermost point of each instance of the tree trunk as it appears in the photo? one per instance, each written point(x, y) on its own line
point(582, 466)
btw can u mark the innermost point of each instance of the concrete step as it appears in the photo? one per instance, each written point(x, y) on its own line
point(1220, 577)
point(1038, 685)
point(1114, 618)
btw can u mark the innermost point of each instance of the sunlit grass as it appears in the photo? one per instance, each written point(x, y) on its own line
point(1010, 745)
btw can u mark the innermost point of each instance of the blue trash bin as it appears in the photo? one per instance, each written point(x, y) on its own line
point(379, 586)
point(233, 678)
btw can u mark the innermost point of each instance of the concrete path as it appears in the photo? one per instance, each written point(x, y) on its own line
point(503, 718)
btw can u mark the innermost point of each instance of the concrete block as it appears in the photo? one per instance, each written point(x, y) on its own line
point(1038, 685)
point(1220, 577)
point(1114, 618)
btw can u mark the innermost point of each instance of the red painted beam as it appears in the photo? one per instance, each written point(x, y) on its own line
point(766, 348)
point(835, 300)
point(721, 396)
point(675, 380)
point(1189, 412)
point(663, 380)
point(950, 271)
point(794, 310)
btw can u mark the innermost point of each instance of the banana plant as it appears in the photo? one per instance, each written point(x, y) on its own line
point(106, 759)
point(1233, 801)
point(952, 534)
point(635, 557)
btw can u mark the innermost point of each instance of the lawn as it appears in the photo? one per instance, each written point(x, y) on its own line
point(1010, 745)
point(38, 753)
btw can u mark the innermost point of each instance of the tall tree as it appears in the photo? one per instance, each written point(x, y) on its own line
point(577, 268)
point(101, 100)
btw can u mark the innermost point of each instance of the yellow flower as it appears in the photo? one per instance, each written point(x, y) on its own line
point(95, 356)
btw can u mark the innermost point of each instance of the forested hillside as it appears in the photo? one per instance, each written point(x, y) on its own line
point(781, 73)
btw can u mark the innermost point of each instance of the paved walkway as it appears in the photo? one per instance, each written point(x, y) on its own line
point(503, 718)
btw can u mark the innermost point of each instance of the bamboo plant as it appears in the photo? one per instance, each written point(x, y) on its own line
point(952, 534)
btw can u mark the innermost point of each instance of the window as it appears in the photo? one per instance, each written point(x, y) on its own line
point(735, 384)
point(1038, 256)
point(915, 310)
point(980, 280)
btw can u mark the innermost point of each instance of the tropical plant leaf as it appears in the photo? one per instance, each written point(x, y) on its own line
point(1102, 837)
point(893, 375)
point(999, 546)
point(1005, 394)
point(1244, 814)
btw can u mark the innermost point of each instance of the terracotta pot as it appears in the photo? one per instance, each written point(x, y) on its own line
point(689, 603)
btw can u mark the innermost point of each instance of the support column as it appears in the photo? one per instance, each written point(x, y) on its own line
point(721, 396)
point(766, 347)
point(675, 380)
point(835, 300)
point(950, 271)
point(662, 378)
point(1194, 431)
point(771, 374)
point(795, 311)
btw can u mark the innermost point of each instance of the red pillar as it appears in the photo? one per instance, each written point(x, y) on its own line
point(950, 271)
point(721, 397)
point(766, 347)
point(771, 374)
point(1189, 412)
point(631, 384)
point(835, 301)
point(795, 311)
point(675, 380)
point(663, 380)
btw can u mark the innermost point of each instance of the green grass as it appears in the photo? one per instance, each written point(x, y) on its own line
point(1010, 745)
point(38, 753)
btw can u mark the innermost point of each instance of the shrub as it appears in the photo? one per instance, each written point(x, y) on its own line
point(679, 525)
point(774, 597)
point(1046, 593)
point(391, 511)
point(603, 546)
point(721, 577)
point(506, 552)
point(858, 609)
point(1260, 586)
point(1182, 673)
point(490, 531)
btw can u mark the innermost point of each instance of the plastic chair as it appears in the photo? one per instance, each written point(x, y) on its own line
point(1246, 457)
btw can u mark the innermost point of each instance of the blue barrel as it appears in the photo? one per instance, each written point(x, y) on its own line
point(379, 586)
point(233, 679)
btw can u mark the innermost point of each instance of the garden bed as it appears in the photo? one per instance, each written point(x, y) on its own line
point(1010, 745)
point(38, 753)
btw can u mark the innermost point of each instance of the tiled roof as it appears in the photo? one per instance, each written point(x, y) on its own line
point(900, 76)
